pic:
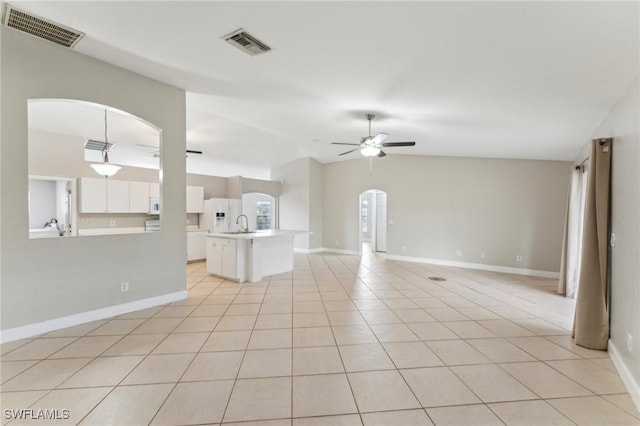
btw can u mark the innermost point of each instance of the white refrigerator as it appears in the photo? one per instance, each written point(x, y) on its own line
point(220, 215)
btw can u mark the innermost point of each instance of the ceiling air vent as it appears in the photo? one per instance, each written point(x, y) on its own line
point(437, 279)
point(97, 145)
point(41, 28)
point(246, 42)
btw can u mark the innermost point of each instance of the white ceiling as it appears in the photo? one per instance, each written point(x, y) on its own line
point(482, 79)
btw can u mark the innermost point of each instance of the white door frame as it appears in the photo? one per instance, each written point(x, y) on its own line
point(372, 213)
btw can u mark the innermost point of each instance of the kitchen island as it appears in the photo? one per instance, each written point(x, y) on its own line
point(250, 256)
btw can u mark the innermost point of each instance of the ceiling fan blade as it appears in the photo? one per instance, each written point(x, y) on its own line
point(387, 144)
point(382, 154)
point(340, 143)
point(348, 152)
point(191, 151)
point(148, 146)
point(378, 138)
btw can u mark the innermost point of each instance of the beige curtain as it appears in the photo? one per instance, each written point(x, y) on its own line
point(591, 322)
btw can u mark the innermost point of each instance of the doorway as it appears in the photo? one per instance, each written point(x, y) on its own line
point(373, 221)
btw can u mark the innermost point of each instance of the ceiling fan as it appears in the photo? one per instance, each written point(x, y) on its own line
point(371, 146)
point(156, 153)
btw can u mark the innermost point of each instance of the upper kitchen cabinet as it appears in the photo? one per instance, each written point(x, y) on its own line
point(99, 195)
point(93, 195)
point(117, 196)
point(195, 199)
point(139, 197)
point(154, 190)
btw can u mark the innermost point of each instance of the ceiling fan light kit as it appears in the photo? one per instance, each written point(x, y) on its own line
point(370, 151)
point(371, 146)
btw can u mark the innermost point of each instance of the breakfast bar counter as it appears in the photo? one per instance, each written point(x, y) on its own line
point(250, 256)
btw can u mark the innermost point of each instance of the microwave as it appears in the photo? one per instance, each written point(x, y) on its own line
point(154, 205)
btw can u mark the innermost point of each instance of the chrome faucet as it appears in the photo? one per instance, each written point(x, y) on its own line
point(244, 229)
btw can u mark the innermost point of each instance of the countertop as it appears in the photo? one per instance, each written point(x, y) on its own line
point(259, 234)
point(197, 230)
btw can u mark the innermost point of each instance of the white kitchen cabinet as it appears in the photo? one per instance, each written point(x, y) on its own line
point(117, 196)
point(227, 258)
point(214, 255)
point(195, 199)
point(154, 190)
point(93, 195)
point(196, 245)
point(138, 197)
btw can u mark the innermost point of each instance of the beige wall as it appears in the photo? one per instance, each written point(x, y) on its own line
point(316, 201)
point(623, 124)
point(214, 186)
point(50, 278)
point(261, 186)
point(293, 202)
point(438, 205)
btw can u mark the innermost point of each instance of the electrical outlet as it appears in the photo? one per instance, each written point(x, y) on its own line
point(458, 253)
point(403, 248)
point(630, 342)
point(482, 256)
point(124, 286)
point(112, 222)
point(337, 243)
point(518, 258)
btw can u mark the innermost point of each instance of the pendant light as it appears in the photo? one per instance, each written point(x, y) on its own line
point(105, 168)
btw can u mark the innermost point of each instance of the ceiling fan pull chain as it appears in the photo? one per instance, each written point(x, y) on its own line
point(370, 166)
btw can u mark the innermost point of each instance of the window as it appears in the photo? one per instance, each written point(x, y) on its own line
point(263, 215)
point(365, 215)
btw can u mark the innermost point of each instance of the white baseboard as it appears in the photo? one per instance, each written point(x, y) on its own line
point(632, 385)
point(479, 266)
point(339, 251)
point(308, 251)
point(38, 328)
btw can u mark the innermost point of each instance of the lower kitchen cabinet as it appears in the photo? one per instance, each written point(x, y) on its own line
point(227, 258)
point(196, 245)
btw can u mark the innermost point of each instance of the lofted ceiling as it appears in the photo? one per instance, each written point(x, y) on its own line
point(527, 80)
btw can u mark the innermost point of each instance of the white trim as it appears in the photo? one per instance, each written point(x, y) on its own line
point(307, 251)
point(38, 328)
point(339, 251)
point(632, 385)
point(479, 266)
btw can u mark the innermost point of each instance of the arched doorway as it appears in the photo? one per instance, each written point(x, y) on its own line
point(373, 221)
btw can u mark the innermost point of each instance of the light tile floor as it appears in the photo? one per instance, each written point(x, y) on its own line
point(341, 340)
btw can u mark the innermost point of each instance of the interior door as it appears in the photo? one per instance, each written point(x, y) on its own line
point(381, 222)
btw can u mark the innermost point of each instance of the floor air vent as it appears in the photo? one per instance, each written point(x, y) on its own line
point(97, 145)
point(437, 279)
point(246, 42)
point(41, 28)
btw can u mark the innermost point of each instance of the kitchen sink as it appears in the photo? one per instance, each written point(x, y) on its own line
point(239, 232)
